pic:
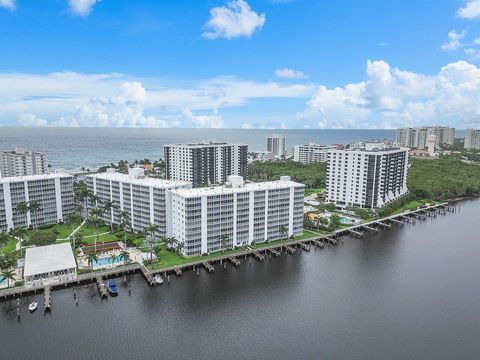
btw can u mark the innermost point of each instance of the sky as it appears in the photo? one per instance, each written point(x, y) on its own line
point(240, 63)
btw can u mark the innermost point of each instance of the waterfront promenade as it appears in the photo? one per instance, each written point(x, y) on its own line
point(275, 247)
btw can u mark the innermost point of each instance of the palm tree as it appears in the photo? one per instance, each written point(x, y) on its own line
point(112, 258)
point(22, 208)
point(91, 259)
point(94, 219)
point(170, 242)
point(180, 246)
point(109, 206)
point(224, 241)
point(18, 233)
point(283, 231)
point(124, 255)
point(4, 238)
point(9, 275)
point(34, 207)
point(124, 218)
point(94, 199)
point(73, 219)
point(151, 229)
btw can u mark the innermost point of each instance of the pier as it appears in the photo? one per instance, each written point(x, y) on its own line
point(178, 271)
point(258, 256)
point(290, 250)
point(274, 252)
point(371, 228)
point(209, 267)
point(234, 261)
point(355, 233)
point(305, 246)
point(384, 224)
point(102, 289)
point(147, 275)
point(318, 243)
point(47, 299)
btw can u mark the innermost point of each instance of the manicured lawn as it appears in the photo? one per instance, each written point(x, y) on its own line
point(63, 231)
point(9, 246)
point(309, 192)
point(101, 238)
point(411, 205)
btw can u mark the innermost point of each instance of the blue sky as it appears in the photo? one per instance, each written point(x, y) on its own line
point(240, 63)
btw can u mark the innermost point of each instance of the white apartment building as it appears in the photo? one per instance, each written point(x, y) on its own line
point(368, 179)
point(472, 139)
point(372, 145)
point(143, 198)
point(276, 145)
point(418, 137)
point(21, 162)
point(53, 192)
point(245, 212)
point(311, 153)
point(205, 163)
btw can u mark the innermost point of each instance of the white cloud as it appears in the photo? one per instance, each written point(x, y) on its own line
point(287, 73)
point(454, 40)
point(390, 97)
point(214, 121)
point(81, 7)
point(235, 19)
point(31, 120)
point(471, 10)
point(8, 4)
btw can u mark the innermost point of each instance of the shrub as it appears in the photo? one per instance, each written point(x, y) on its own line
point(42, 239)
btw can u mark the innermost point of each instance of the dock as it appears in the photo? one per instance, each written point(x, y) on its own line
point(102, 289)
point(178, 271)
point(209, 267)
point(355, 233)
point(147, 275)
point(290, 250)
point(384, 224)
point(274, 252)
point(371, 228)
point(258, 256)
point(305, 246)
point(234, 261)
point(318, 243)
point(330, 240)
point(47, 299)
point(396, 221)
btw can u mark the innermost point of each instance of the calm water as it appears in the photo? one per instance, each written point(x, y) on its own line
point(406, 293)
point(73, 148)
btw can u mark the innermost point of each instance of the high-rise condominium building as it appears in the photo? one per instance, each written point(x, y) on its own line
point(472, 139)
point(205, 163)
point(417, 137)
point(21, 162)
point(53, 193)
point(276, 145)
point(311, 153)
point(366, 178)
point(241, 213)
point(143, 199)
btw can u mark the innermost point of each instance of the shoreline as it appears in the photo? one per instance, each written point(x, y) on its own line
point(259, 253)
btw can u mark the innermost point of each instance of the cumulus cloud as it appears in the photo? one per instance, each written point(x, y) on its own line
point(235, 19)
point(31, 120)
point(390, 97)
point(81, 7)
point(214, 121)
point(454, 40)
point(287, 73)
point(8, 4)
point(470, 10)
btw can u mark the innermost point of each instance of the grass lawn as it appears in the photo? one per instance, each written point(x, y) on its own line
point(63, 231)
point(101, 238)
point(411, 205)
point(9, 246)
point(168, 258)
point(309, 192)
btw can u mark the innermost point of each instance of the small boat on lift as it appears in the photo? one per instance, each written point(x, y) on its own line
point(158, 279)
point(111, 286)
point(33, 306)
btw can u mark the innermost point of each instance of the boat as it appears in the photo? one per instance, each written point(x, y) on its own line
point(33, 306)
point(158, 279)
point(111, 286)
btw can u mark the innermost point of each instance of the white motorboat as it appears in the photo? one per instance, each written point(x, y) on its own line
point(32, 306)
point(158, 279)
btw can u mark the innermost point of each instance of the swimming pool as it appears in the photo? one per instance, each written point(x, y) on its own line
point(347, 220)
point(104, 261)
point(3, 281)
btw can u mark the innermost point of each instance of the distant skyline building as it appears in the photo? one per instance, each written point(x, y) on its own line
point(418, 137)
point(143, 198)
point(276, 145)
point(206, 162)
point(366, 178)
point(22, 162)
point(311, 153)
point(53, 192)
point(242, 212)
point(472, 139)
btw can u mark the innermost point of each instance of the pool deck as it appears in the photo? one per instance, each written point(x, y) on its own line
point(277, 247)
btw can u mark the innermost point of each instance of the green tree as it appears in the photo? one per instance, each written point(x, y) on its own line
point(34, 207)
point(124, 255)
point(283, 232)
point(94, 220)
point(108, 207)
point(92, 257)
point(223, 241)
point(9, 275)
point(124, 219)
point(151, 239)
point(22, 208)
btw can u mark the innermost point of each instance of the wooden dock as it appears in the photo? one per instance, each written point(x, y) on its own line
point(102, 289)
point(47, 298)
point(355, 233)
point(290, 250)
point(318, 243)
point(234, 261)
point(209, 267)
point(178, 271)
point(330, 240)
point(305, 246)
point(274, 252)
point(258, 256)
point(395, 221)
point(370, 228)
point(147, 275)
point(384, 224)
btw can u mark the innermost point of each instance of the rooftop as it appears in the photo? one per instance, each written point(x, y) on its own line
point(216, 190)
point(205, 143)
point(125, 178)
point(44, 259)
point(13, 179)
